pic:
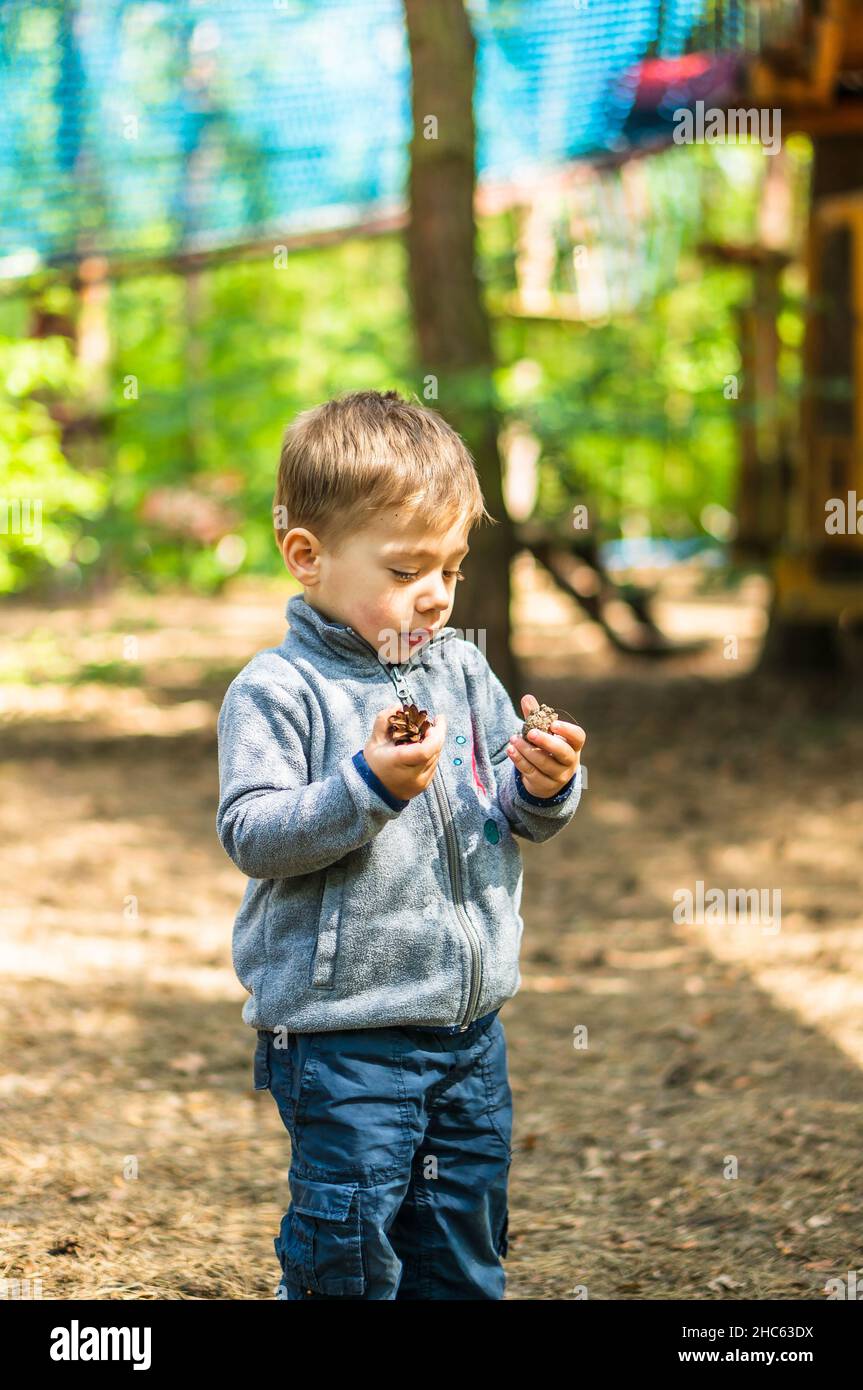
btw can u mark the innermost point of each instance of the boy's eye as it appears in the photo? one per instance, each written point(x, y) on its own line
point(404, 575)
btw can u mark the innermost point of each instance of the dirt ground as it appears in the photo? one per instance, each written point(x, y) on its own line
point(704, 1144)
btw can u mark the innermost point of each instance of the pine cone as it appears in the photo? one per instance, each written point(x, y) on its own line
point(542, 718)
point(409, 725)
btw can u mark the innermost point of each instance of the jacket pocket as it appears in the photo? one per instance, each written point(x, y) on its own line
point(329, 918)
point(320, 1246)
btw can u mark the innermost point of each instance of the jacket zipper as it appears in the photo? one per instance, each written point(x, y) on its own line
point(445, 809)
point(455, 875)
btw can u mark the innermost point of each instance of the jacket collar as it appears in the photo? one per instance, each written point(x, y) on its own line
point(311, 628)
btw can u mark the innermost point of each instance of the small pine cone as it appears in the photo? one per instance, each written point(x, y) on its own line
point(542, 718)
point(409, 725)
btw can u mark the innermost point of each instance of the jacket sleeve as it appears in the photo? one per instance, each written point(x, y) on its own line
point(532, 817)
point(271, 821)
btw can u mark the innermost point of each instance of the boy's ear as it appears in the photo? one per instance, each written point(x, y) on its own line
point(301, 551)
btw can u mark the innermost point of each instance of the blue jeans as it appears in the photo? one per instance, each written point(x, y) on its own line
point(401, 1144)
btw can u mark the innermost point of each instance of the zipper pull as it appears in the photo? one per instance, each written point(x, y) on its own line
point(401, 687)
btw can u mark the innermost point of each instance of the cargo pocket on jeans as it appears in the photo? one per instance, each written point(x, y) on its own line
point(261, 1063)
point(321, 1246)
point(324, 964)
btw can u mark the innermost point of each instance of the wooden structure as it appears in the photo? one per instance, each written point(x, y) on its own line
point(815, 77)
point(804, 71)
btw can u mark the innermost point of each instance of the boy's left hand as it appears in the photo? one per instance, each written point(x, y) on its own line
point(546, 761)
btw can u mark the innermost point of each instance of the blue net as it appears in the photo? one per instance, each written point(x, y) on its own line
point(144, 127)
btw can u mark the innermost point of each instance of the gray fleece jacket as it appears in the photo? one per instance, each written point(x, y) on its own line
point(364, 910)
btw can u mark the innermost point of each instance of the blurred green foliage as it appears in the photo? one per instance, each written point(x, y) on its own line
point(46, 503)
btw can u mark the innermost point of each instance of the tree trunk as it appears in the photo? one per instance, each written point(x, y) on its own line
point(450, 320)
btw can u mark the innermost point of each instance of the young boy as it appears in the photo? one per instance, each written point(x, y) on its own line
point(379, 934)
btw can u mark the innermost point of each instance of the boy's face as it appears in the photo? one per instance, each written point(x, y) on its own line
point(374, 583)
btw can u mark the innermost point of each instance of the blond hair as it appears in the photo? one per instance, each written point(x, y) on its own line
point(350, 458)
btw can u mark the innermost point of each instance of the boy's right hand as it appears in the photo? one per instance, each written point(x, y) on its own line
point(405, 769)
